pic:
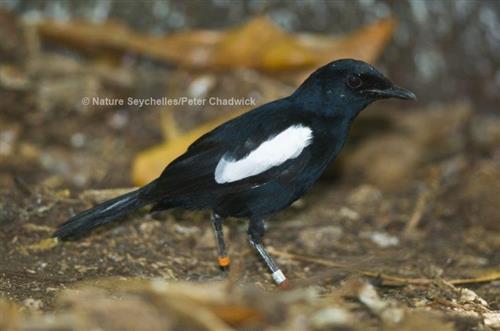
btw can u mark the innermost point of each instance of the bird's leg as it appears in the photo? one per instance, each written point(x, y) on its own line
point(256, 231)
point(223, 259)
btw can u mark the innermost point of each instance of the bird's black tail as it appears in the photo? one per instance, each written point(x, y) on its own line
point(101, 214)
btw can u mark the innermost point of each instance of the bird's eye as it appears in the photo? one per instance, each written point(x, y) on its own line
point(354, 82)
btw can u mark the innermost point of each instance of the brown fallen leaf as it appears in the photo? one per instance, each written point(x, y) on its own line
point(89, 37)
point(366, 44)
point(261, 44)
point(43, 245)
point(215, 308)
point(38, 228)
point(258, 44)
point(237, 314)
point(149, 164)
point(40, 246)
point(9, 315)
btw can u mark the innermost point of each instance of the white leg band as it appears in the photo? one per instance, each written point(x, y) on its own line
point(278, 277)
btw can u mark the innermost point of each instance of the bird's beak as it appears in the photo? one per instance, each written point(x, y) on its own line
point(394, 92)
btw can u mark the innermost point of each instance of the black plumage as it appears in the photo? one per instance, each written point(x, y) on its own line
point(321, 109)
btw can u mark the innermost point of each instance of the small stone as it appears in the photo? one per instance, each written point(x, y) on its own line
point(386, 310)
point(118, 120)
point(330, 317)
point(349, 214)
point(384, 239)
point(78, 140)
point(467, 295)
point(492, 319)
point(8, 140)
point(200, 87)
point(187, 230)
point(365, 195)
point(149, 227)
point(299, 204)
point(33, 304)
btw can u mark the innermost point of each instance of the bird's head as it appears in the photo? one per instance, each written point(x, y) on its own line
point(347, 86)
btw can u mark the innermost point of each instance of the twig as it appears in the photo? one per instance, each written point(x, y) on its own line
point(317, 260)
point(489, 277)
point(390, 280)
point(417, 214)
point(22, 186)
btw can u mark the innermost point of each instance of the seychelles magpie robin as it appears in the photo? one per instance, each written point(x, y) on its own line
point(260, 162)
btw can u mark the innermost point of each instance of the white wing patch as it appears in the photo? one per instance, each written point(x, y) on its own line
point(284, 146)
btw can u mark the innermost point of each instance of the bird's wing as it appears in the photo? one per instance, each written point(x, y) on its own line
point(234, 156)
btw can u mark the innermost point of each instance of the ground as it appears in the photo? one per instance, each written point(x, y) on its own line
point(402, 233)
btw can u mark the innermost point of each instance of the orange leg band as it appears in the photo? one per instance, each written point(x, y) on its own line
point(224, 261)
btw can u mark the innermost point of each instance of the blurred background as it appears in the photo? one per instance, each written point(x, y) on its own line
point(445, 51)
point(450, 44)
point(408, 211)
point(62, 51)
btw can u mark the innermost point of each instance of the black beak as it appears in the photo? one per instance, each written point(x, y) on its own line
point(394, 92)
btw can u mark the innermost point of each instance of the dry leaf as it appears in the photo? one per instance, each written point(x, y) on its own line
point(259, 44)
point(43, 245)
point(149, 164)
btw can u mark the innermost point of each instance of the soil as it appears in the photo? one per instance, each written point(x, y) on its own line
point(402, 233)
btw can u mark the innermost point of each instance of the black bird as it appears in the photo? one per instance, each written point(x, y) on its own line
point(260, 162)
